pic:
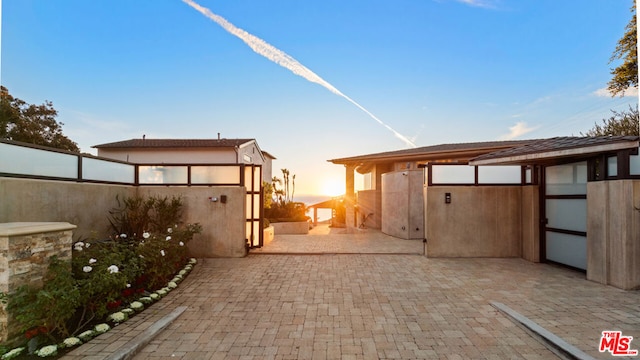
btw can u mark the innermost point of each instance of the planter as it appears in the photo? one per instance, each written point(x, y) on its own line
point(291, 228)
point(269, 234)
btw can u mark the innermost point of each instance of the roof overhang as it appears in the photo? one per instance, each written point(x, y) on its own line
point(553, 155)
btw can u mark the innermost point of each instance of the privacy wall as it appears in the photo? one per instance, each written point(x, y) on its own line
point(87, 204)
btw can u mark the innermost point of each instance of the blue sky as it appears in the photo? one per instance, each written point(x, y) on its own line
point(434, 71)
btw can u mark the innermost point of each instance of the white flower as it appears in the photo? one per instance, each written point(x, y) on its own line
point(188, 267)
point(178, 277)
point(193, 261)
point(161, 292)
point(102, 328)
point(137, 306)
point(71, 342)
point(13, 353)
point(168, 238)
point(124, 236)
point(87, 335)
point(78, 244)
point(182, 272)
point(154, 296)
point(118, 317)
point(128, 311)
point(113, 269)
point(128, 285)
point(162, 252)
point(169, 230)
point(87, 268)
point(87, 245)
point(77, 248)
point(146, 235)
point(181, 243)
point(172, 285)
point(141, 256)
point(49, 350)
point(92, 261)
point(145, 300)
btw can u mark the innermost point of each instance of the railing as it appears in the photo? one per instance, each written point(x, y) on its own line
point(37, 162)
point(456, 174)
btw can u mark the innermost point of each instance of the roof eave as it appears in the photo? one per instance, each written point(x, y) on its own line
point(555, 154)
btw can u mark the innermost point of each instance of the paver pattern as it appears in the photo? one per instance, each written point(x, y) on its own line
point(374, 306)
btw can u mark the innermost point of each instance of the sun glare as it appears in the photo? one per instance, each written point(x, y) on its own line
point(332, 187)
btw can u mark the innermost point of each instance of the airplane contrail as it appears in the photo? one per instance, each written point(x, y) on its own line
point(285, 60)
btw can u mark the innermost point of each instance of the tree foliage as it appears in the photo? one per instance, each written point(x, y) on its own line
point(626, 74)
point(620, 123)
point(34, 124)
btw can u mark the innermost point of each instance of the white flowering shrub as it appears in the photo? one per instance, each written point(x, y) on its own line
point(101, 328)
point(137, 306)
point(118, 317)
point(47, 351)
point(71, 342)
point(14, 353)
point(87, 335)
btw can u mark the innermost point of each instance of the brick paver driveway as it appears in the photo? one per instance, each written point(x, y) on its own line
point(364, 306)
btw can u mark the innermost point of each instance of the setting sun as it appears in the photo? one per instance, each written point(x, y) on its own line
point(333, 187)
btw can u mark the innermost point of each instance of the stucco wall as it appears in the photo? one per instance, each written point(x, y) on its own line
point(369, 202)
point(403, 204)
point(613, 233)
point(86, 205)
point(480, 221)
point(168, 155)
point(223, 225)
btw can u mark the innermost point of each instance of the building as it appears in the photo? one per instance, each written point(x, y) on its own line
point(192, 151)
point(573, 201)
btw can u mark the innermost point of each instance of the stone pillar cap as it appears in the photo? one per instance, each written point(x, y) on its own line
point(26, 228)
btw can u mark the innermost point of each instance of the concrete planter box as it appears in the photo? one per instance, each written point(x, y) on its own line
point(291, 228)
point(269, 234)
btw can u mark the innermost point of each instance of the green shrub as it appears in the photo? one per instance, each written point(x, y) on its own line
point(46, 311)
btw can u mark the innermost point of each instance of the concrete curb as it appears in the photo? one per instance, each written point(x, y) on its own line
point(134, 345)
point(554, 343)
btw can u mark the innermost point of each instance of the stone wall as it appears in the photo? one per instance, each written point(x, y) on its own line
point(25, 250)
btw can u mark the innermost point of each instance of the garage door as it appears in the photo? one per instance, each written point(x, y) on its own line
point(566, 214)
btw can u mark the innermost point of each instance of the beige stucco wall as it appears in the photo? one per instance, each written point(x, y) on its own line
point(613, 233)
point(223, 225)
point(86, 205)
point(403, 204)
point(172, 156)
point(369, 202)
point(480, 221)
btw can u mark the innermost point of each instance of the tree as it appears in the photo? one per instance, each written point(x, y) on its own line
point(35, 124)
point(620, 123)
point(626, 74)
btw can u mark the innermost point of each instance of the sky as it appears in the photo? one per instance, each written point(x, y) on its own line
point(316, 80)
